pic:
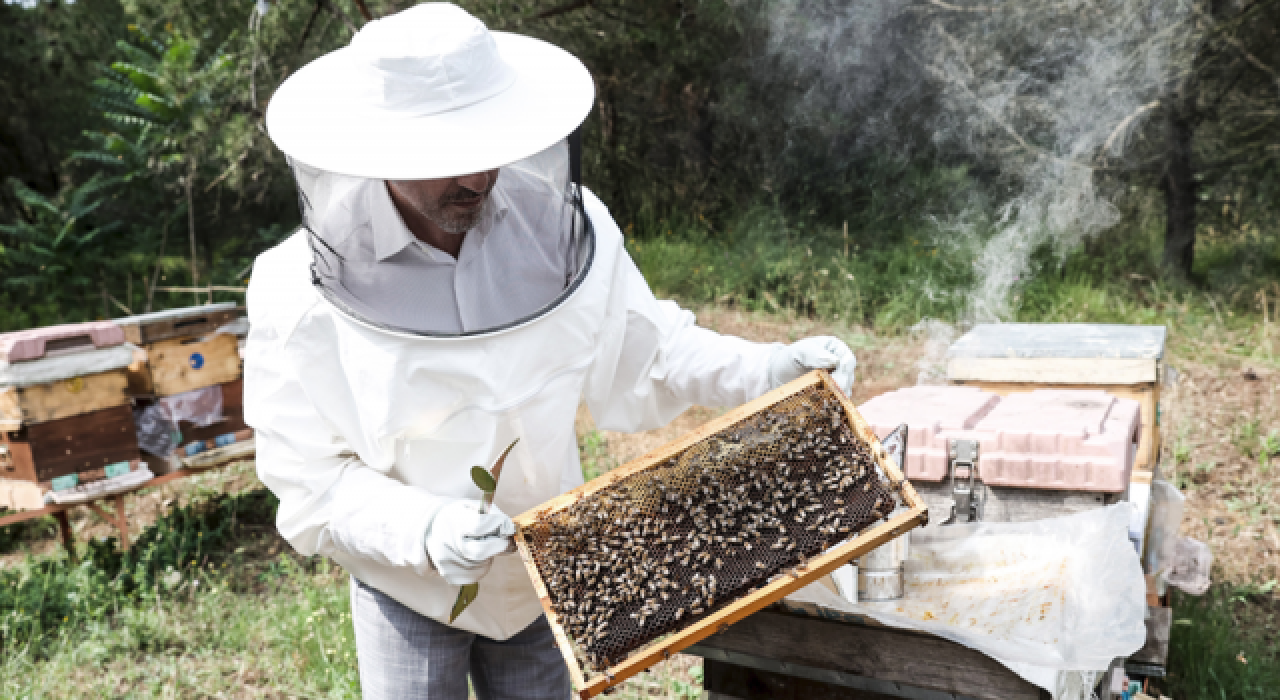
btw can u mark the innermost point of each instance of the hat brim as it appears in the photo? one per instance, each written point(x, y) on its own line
point(315, 118)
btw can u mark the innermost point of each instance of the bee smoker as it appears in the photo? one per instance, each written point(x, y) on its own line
point(881, 571)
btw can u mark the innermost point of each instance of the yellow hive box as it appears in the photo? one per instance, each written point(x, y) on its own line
point(180, 365)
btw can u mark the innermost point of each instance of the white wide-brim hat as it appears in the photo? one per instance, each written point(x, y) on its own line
point(429, 93)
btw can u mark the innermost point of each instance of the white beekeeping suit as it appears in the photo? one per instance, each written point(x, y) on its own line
point(368, 425)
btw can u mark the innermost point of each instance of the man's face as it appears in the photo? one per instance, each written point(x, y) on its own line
point(452, 203)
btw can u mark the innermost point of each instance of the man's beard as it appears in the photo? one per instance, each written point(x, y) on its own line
point(456, 221)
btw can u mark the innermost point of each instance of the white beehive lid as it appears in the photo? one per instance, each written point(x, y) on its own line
point(1058, 353)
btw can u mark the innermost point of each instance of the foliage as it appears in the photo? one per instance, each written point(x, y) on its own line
point(717, 118)
point(57, 247)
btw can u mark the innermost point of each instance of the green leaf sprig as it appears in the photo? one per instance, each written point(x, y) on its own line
point(487, 481)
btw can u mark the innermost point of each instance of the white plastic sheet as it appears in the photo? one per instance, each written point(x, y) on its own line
point(1059, 595)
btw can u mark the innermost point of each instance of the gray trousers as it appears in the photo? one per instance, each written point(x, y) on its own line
point(405, 656)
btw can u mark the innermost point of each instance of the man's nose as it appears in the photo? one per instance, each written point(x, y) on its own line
point(478, 182)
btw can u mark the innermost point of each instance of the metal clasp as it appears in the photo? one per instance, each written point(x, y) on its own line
point(966, 484)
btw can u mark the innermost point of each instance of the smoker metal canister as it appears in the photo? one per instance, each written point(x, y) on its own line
point(881, 572)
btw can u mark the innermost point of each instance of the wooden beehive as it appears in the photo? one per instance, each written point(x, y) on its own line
point(82, 444)
point(62, 399)
point(180, 365)
point(804, 439)
point(188, 322)
point(1124, 361)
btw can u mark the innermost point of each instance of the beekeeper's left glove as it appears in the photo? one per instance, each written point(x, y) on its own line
point(462, 543)
point(820, 352)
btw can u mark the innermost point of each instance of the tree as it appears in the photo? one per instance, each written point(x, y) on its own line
point(60, 250)
point(1221, 122)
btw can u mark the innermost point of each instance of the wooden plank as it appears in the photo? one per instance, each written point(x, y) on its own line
point(876, 653)
point(16, 494)
point(64, 528)
point(199, 322)
point(178, 366)
point(727, 681)
point(1006, 504)
point(914, 515)
point(57, 509)
point(139, 375)
point(63, 399)
point(1147, 395)
point(1054, 370)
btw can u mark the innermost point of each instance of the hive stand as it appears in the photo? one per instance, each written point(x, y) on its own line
point(118, 517)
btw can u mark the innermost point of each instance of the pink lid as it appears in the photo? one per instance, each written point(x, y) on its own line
point(1081, 440)
point(35, 343)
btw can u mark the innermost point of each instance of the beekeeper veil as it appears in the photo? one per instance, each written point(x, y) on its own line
point(426, 94)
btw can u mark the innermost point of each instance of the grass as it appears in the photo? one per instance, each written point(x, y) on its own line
point(205, 603)
point(1223, 645)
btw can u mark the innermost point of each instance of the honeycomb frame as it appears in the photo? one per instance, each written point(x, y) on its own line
point(911, 513)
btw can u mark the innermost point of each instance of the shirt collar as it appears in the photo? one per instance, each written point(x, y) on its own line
point(390, 235)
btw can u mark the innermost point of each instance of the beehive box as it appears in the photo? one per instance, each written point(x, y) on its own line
point(232, 416)
point(1122, 360)
point(680, 543)
point(180, 365)
point(187, 322)
point(62, 399)
point(42, 452)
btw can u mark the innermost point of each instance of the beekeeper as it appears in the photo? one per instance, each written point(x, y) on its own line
point(452, 288)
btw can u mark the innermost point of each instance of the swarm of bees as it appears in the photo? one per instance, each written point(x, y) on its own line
point(666, 546)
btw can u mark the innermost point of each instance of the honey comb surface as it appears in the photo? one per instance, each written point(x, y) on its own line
point(671, 544)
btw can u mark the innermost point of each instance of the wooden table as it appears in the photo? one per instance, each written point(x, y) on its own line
point(792, 652)
point(117, 516)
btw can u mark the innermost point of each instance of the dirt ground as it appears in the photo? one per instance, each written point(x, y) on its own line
point(1220, 426)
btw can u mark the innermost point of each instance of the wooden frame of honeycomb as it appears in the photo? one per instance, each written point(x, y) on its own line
point(804, 399)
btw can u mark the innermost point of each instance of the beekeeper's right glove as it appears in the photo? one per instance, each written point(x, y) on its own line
point(462, 543)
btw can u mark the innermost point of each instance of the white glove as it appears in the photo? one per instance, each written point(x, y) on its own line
point(793, 361)
point(462, 543)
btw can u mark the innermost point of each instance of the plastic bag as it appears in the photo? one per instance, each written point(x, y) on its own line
point(1062, 594)
point(157, 434)
point(200, 406)
point(158, 424)
point(1162, 529)
point(1189, 571)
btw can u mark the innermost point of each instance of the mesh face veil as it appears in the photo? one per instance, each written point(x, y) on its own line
point(535, 207)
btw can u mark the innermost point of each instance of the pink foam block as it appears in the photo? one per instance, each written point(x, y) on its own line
point(35, 343)
point(1080, 440)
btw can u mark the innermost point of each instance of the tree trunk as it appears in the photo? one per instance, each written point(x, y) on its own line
point(1179, 187)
